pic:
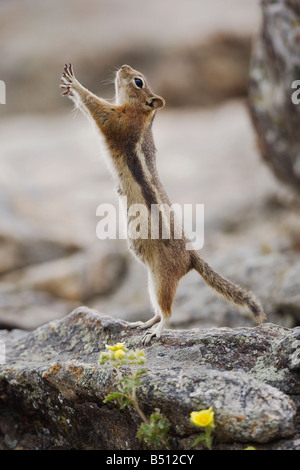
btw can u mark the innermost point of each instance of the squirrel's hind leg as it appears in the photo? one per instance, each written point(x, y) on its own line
point(162, 290)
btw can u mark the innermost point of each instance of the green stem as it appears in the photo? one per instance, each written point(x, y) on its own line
point(138, 409)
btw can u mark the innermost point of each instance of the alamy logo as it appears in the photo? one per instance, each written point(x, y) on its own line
point(2, 92)
point(295, 95)
point(2, 353)
point(163, 222)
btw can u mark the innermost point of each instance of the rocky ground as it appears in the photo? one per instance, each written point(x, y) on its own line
point(52, 386)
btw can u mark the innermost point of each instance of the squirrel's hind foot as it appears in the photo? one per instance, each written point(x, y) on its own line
point(155, 332)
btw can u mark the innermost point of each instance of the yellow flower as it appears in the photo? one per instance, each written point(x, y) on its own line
point(202, 418)
point(115, 347)
point(120, 354)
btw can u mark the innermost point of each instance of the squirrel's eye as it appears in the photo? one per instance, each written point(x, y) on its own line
point(139, 82)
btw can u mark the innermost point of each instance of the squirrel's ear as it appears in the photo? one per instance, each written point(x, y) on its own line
point(156, 102)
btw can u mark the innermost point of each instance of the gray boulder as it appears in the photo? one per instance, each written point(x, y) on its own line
point(275, 70)
point(52, 386)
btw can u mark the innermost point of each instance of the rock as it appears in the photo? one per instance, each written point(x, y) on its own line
point(78, 277)
point(52, 386)
point(27, 308)
point(215, 69)
point(273, 277)
point(18, 250)
point(183, 49)
point(274, 68)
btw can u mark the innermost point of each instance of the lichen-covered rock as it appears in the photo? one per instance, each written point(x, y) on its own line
point(275, 66)
point(52, 386)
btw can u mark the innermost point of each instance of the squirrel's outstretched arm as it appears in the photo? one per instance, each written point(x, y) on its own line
point(89, 103)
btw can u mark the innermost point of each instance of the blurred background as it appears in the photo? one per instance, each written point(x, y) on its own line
point(196, 54)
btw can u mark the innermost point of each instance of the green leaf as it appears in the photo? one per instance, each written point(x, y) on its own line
point(199, 438)
point(203, 437)
point(155, 432)
point(125, 401)
point(130, 383)
point(141, 372)
point(112, 396)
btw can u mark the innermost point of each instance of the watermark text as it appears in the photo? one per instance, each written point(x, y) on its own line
point(296, 94)
point(162, 222)
point(2, 353)
point(2, 92)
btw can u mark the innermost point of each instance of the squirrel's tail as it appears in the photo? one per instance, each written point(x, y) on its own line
point(226, 289)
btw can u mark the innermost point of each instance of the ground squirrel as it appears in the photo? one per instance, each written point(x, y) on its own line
point(127, 129)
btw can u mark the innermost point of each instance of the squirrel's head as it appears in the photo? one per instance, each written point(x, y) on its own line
point(132, 88)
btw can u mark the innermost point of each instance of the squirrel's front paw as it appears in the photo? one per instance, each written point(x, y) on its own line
point(68, 80)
